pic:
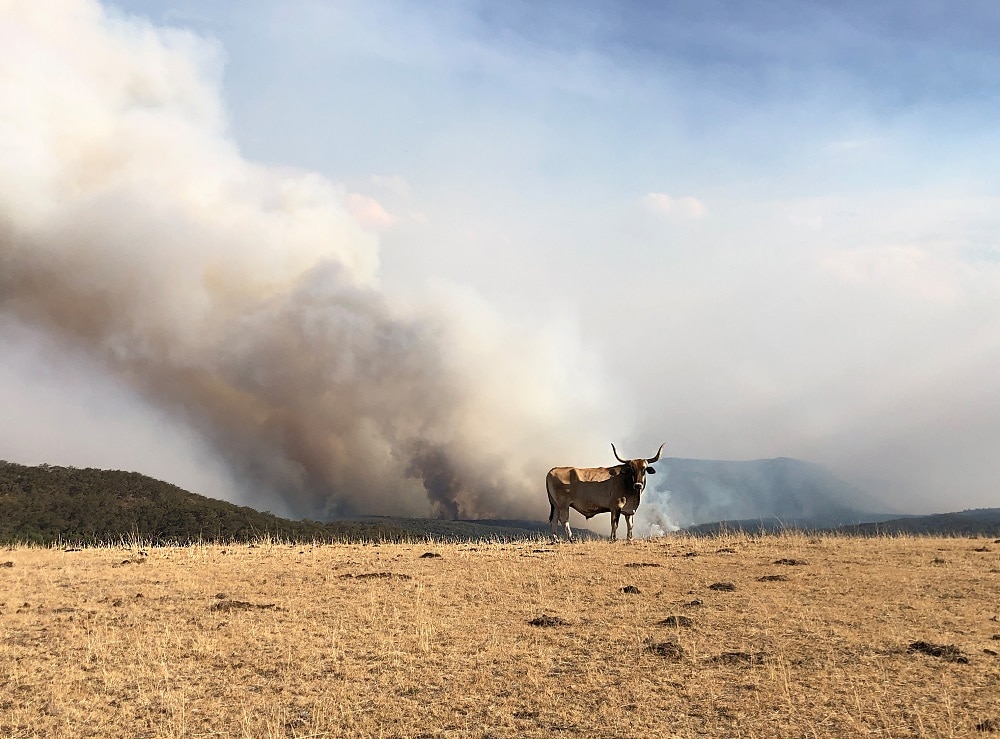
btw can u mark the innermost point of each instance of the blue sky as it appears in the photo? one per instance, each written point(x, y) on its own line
point(749, 230)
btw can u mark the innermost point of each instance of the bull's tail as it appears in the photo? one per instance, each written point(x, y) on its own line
point(552, 500)
point(552, 488)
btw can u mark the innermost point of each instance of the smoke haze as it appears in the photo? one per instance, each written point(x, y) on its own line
point(403, 258)
point(243, 300)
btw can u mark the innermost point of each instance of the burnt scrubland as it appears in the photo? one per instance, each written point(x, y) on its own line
point(823, 636)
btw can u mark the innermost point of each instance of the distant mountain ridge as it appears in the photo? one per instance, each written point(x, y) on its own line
point(696, 491)
point(971, 522)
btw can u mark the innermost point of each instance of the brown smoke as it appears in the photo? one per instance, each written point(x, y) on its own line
point(242, 300)
point(320, 395)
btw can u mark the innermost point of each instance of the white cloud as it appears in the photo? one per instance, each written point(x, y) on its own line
point(369, 212)
point(685, 208)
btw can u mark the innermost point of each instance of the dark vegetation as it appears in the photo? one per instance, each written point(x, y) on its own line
point(48, 504)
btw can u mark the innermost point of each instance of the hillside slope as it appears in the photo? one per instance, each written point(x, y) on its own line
point(47, 504)
point(972, 522)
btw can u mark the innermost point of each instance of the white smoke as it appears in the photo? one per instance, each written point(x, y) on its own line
point(652, 517)
point(244, 300)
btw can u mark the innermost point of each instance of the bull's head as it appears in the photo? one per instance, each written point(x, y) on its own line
point(640, 468)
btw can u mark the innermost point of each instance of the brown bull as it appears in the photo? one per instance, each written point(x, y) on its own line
point(593, 490)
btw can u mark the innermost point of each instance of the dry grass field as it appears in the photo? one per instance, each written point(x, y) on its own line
point(274, 640)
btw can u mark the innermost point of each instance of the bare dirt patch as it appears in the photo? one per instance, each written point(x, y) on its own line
point(722, 587)
point(947, 652)
point(740, 658)
point(242, 605)
point(683, 621)
point(667, 649)
point(546, 621)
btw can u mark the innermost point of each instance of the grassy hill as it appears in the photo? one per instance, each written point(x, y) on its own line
point(47, 504)
point(978, 521)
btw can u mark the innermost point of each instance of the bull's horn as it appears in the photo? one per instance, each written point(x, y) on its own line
point(657, 453)
point(616, 454)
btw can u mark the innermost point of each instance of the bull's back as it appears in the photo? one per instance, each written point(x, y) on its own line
point(587, 489)
point(559, 476)
point(580, 478)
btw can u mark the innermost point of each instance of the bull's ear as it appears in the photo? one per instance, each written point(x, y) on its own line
point(650, 471)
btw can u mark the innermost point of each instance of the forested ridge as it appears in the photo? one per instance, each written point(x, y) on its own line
point(46, 504)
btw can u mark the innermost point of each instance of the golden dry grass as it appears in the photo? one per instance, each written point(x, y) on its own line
point(113, 642)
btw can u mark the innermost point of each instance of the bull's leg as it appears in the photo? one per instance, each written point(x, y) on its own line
point(628, 522)
point(614, 523)
point(560, 520)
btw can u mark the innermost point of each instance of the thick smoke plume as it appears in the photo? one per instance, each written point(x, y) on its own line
point(244, 300)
